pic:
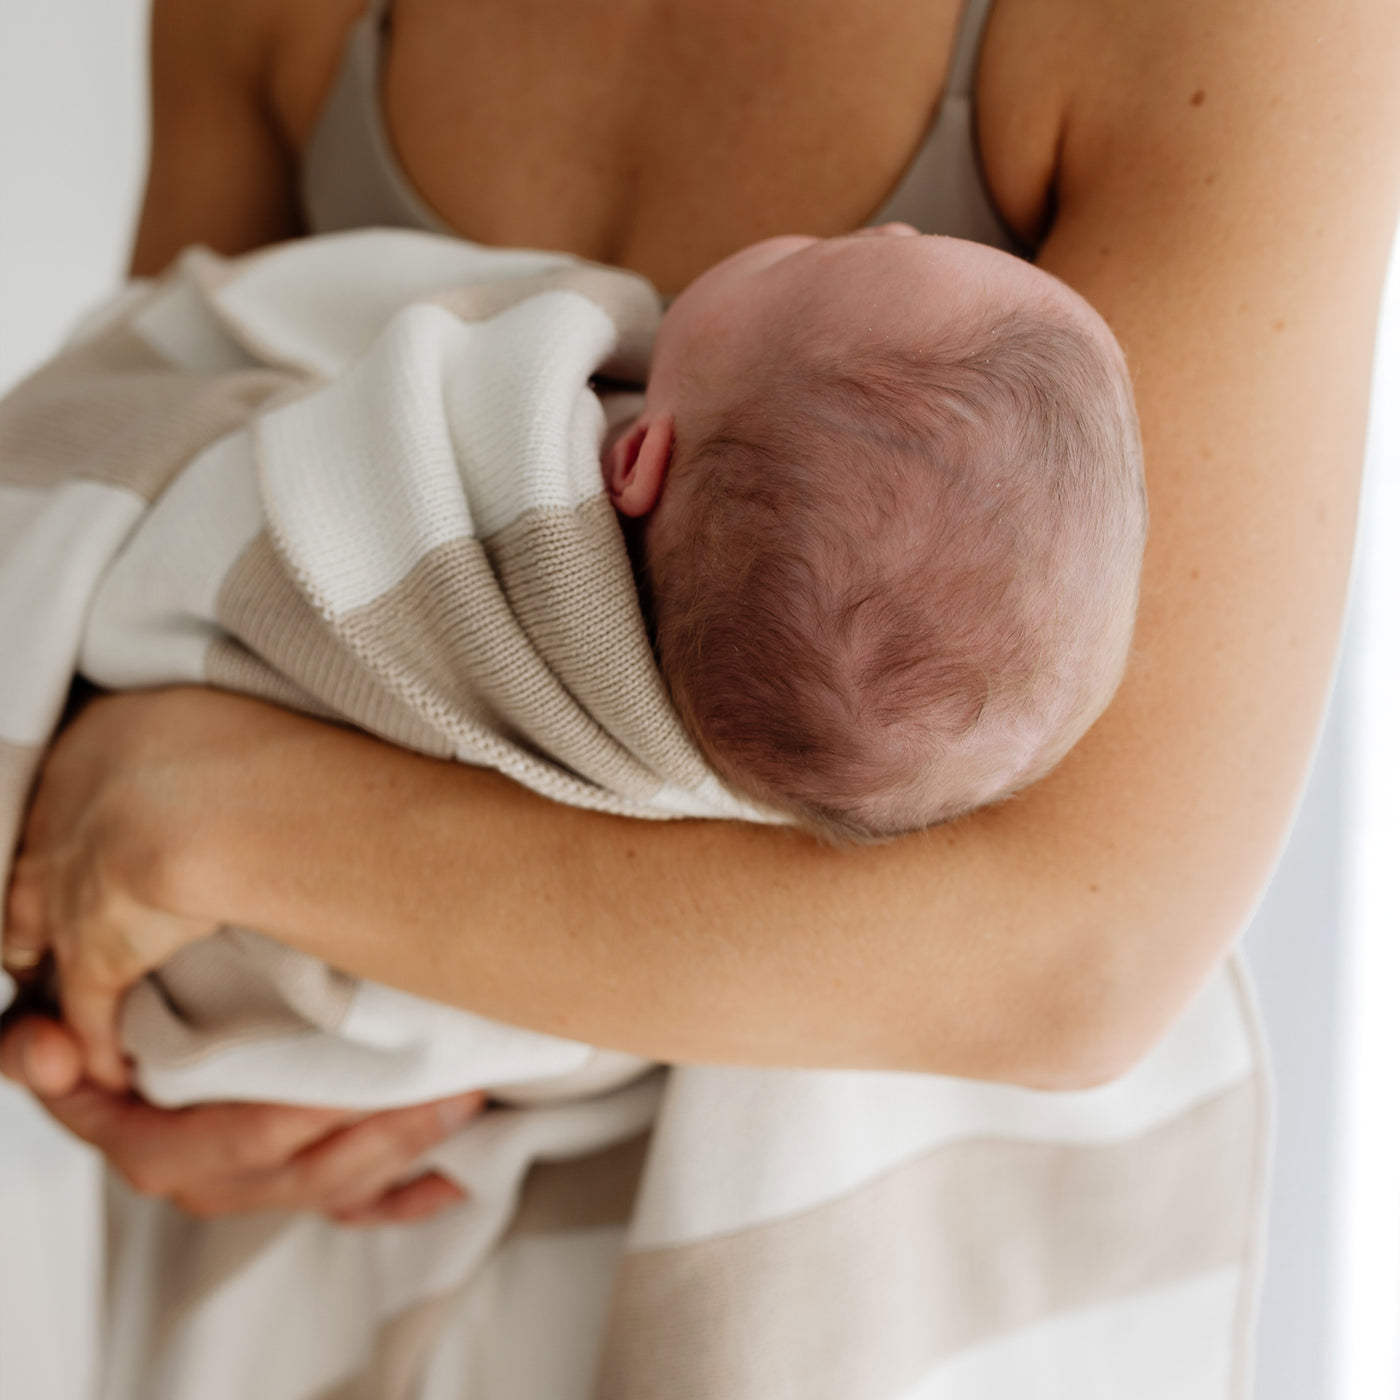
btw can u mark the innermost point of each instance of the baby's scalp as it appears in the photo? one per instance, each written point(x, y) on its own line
point(894, 568)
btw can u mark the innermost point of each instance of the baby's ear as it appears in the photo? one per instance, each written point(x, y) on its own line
point(635, 466)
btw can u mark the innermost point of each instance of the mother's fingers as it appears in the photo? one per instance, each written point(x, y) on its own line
point(220, 1159)
point(26, 935)
point(348, 1170)
point(357, 1166)
point(169, 1152)
point(90, 1001)
point(163, 1151)
point(419, 1199)
point(91, 1006)
point(42, 1055)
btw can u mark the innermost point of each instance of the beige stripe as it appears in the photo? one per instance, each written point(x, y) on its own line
point(581, 1194)
point(229, 665)
point(169, 1026)
point(401, 1350)
point(319, 994)
point(451, 645)
point(570, 585)
point(629, 301)
point(273, 623)
point(111, 409)
point(237, 988)
point(860, 1298)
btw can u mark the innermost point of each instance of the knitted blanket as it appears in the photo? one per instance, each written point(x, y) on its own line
point(359, 476)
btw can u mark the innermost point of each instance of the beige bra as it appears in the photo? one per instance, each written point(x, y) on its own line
point(351, 178)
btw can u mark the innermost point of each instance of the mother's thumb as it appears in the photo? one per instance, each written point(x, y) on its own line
point(42, 1054)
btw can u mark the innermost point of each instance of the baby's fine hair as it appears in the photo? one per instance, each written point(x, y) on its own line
point(906, 580)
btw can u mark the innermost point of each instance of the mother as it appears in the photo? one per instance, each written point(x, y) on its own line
point(1220, 182)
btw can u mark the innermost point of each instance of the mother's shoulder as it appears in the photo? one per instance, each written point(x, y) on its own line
point(1061, 81)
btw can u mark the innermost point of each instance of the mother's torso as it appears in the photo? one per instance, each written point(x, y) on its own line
point(662, 134)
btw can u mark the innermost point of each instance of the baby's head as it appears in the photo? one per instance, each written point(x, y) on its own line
point(893, 518)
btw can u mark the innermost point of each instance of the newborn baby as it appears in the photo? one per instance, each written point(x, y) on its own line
point(885, 510)
point(891, 514)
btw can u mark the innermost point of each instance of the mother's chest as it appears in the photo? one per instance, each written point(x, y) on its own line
point(660, 133)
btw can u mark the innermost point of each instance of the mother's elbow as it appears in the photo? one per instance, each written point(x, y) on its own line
point(1069, 1063)
point(1083, 1029)
point(1087, 1060)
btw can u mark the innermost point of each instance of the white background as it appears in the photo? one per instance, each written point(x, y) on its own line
point(1323, 946)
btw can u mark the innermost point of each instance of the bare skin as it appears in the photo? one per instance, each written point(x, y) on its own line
point(1220, 185)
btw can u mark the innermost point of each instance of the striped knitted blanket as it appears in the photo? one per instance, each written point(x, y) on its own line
point(359, 476)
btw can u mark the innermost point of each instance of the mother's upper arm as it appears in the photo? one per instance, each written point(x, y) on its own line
point(220, 172)
point(1226, 196)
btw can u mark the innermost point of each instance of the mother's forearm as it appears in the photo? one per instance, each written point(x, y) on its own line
point(698, 941)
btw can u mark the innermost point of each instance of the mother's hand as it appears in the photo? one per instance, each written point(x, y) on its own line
point(124, 783)
point(227, 1159)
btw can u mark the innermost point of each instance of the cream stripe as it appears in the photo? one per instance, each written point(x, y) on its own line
point(1247, 1304)
point(362, 476)
point(859, 1299)
point(47, 578)
point(179, 323)
point(190, 1260)
point(152, 621)
point(1174, 1343)
point(18, 765)
point(118, 310)
point(410, 448)
point(20, 508)
point(316, 313)
point(317, 304)
point(827, 1133)
point(630, 302)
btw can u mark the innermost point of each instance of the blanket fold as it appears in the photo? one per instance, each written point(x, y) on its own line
point(359, 476)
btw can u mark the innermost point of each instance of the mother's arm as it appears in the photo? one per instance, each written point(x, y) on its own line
point(1226, 188)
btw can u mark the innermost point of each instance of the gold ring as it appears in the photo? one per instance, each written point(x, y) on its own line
point(22, 959)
